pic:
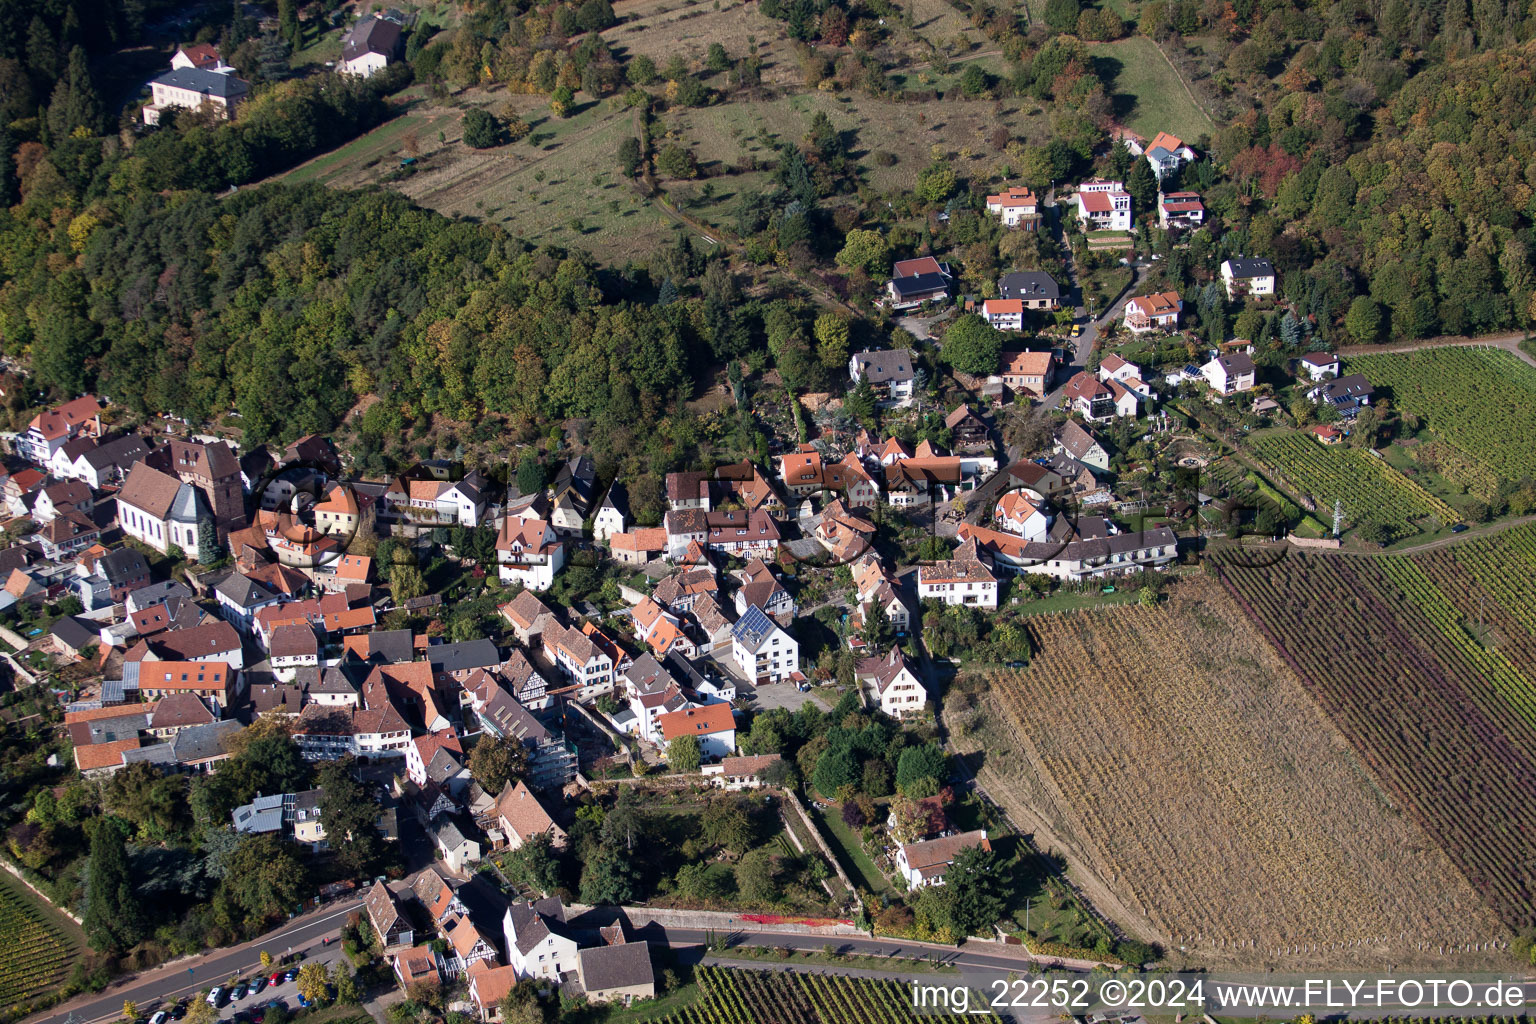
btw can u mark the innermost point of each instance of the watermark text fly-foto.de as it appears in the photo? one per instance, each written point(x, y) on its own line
point(1015, 995)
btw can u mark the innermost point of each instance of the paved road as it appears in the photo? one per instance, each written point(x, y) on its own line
point(985, 959)
point(172, 981)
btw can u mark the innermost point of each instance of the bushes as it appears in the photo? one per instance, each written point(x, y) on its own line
point(481, 129)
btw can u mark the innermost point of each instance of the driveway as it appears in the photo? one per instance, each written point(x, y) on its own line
point(919, 326)
point(784, 695)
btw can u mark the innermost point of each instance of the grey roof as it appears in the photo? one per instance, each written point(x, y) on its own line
point(754, 628)
point(242, 591)
point(121, 452)
point(1028, 284)
point(371, 35)
point(188, 506)
point(884, 366)
point(1350, 386)
point(333, 680)
point(263, 814)
point(451, 833)
point(531, 921)
point(157, 593)
point(73, 632)
point(444, 765)
point(391, 646)
point(123, 565)
point(510, 718)
point(1076, 439)
point(579, 475)
point(1251, 266)
point(459, 657)
point(209, 82)
point(110, 730)
point(472, 486)
point(154, 753)
point(617, 498)
point(625, 965)
point(919, 284)
point(200, 742)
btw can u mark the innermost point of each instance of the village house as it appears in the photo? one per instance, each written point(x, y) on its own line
point(1166, 153)
point(215, 90)
point(619, 971)
point(1319, 365)
point(519, 817)
point(713, 725)
point(1082, 550)
point(612, 515)
point(889, 372)
point(761, 588)
point(1017, 513)
point(196, 55)
point(1248, 276)
point(1099, 400)
point(763, 651)
point(914, 282)
point(1028, 373)
point(389, 920)
point(1035, 288)
point(537, 946)
point(1230, 374)
point(528, 616)
point(1004, 314)
point(1017, 207)
point(638, 546)
point(51, 430)
point(1075, 440)
point(1103, 206)
point(962, 580)
point(967, 429)
point(738, 773)
point(1156, 312)
point(1180, 210)
point(213, 681)
point(741, 534)
point(579, 659)
point(892, 685)
point(1348, 394)
point(529, 552)
point(926, 862)
point(369, 46)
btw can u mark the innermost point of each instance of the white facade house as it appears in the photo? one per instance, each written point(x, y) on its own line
point(1166, 154)
point(889, 372)
point(1016, 207)
point(579, 659)
point(1230, 374)
point(529, 552)
point(369, 46)
point(762, 650)
point(1004, 314)
point(1156, 312)
point(926, 862)
point(713, 725)
point(613, 514)
point(963, 580)
point(536, 947)
point(1247, 275)
point(1320, 365)
point(1101, 210)
point(464, 502)
point(1180, 210)
point(891, 684)
point(218, 91)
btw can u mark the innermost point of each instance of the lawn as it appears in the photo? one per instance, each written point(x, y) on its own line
point(1149, 95)
point(849, 850)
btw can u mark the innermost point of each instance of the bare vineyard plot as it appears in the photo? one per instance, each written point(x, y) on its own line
point(1427, 663)
point(1208, 792)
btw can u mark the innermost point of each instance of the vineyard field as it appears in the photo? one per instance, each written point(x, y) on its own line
point(1186, 770)
point(1482, 401)
point(36, 952)
point(732, 995)
point(1427, 663)
point(1368, 487)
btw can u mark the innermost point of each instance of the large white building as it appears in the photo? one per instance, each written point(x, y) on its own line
point(218, 91)
point(369, 45)
point(529, 552)
point(762, 650)
point(1248, 275)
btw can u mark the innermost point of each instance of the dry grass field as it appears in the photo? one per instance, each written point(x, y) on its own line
point(660, 28)
point(1203, 799)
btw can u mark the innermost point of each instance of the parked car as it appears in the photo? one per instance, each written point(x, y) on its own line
point(216, 997)
point(240, 991)
point(292, 975)
point(1460, 528)
point(179, 1010)
point(257, 984)
point(276, 978)
point(160, 1018)
point(303, 1001)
